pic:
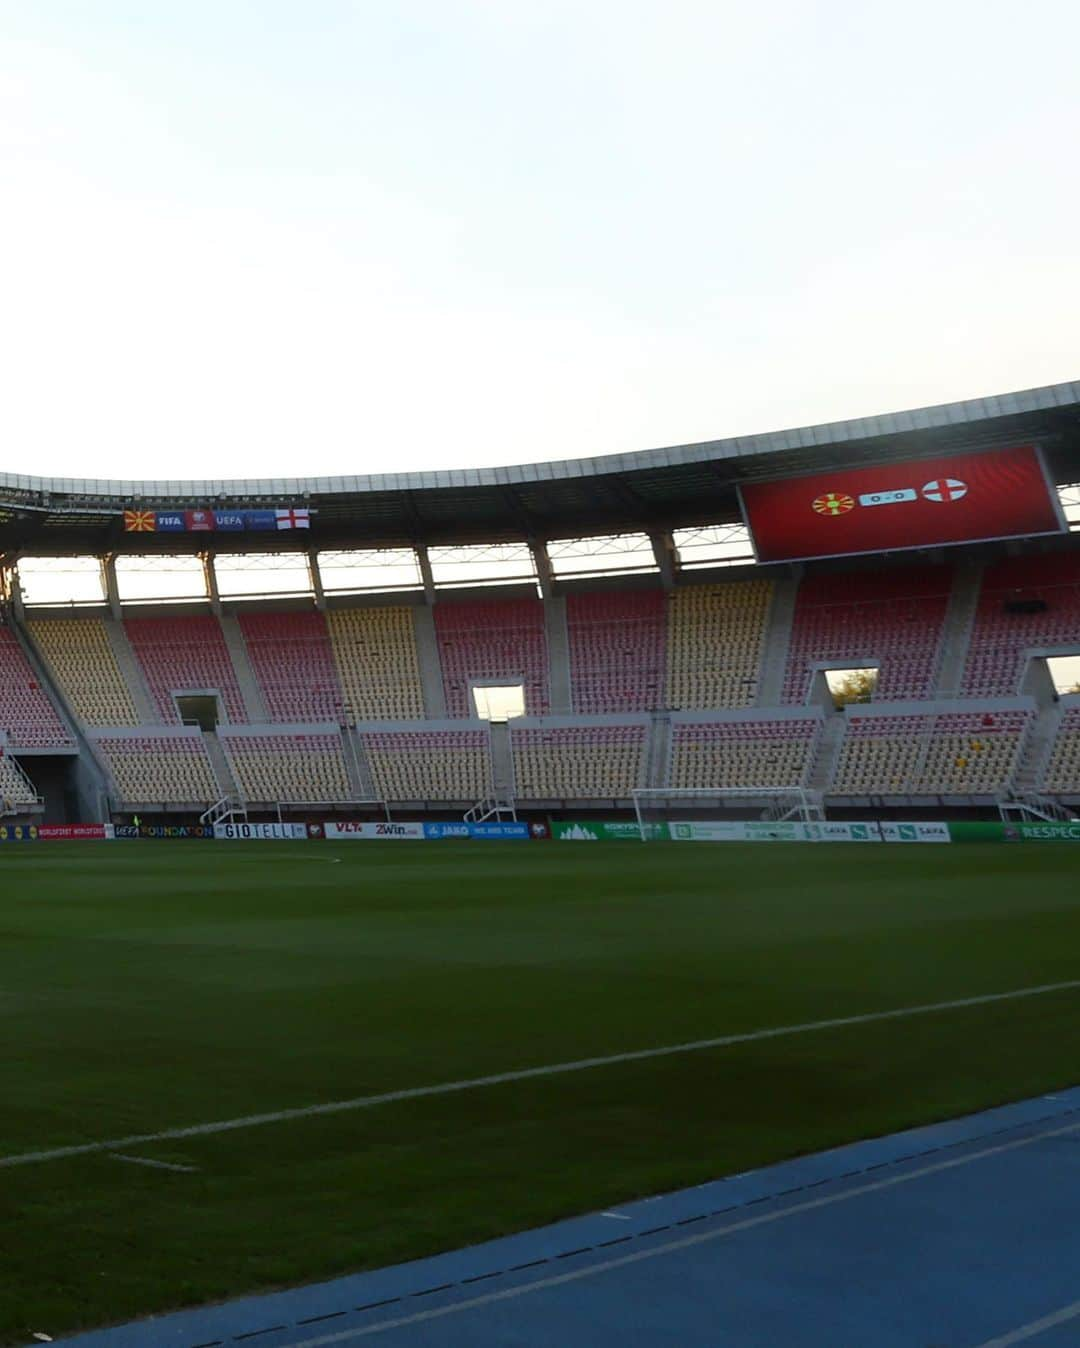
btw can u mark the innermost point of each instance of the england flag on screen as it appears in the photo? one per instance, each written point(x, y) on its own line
point(293, 519)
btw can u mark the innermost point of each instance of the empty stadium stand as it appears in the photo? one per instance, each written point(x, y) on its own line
point(164, 769)
point(890, 619)
point(185, 654)
point(377, 663)
point(292, 658)
point(742, 753)
point(958, 753)
point(1025, 603)
point(429, 764)
point(15, 789)
point(492, 640)
point(715, 639)
point(616, 644)
point(578, 762)
point(78, 652)
point(271, 768)
point(1062, 772)
point(26, 713)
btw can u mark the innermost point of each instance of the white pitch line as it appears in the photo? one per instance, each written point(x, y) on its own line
point(520, 1074)
point(155, 1164)
point(704, 1238)
point(1029, 1331)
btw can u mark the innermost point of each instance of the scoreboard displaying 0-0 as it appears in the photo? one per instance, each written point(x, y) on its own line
point(919, 503)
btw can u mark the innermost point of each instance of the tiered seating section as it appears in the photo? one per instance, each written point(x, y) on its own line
point(429, 764)
point(179, 654)
point(890, 619)
point(1063, 768)
point(161, 769)
point(999, 639)
point(292, 659)
point(715, 640)
point(699, 647)
point(616, 642)
point(742, 753)
point(277, 768)
point(377, 664)
point(495, 640)
point(953, 753)
point(15, 790)
point(26, 713)
point(83, 664)
point(579, 762)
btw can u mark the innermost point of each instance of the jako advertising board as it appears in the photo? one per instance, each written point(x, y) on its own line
point(1002, 493)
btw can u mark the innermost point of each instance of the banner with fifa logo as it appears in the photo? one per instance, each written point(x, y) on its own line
point(919, 503)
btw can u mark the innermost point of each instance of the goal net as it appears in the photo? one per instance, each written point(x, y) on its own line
point(658, 807)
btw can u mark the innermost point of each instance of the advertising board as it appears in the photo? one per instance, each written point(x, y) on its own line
point(258, 832)
point(411, 830)
point(620, 830)
point(961, 498)
point(18, 833)
point(891, 831)
point(74, 832)
point(454, 829)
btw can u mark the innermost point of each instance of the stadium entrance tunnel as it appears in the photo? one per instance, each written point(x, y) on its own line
point(499, 701)
point(199, 709)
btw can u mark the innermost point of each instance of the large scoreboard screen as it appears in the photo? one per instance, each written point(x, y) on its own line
point(921, 503)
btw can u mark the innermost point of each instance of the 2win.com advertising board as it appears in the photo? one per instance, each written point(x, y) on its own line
point(961, 498)
point(409, 829)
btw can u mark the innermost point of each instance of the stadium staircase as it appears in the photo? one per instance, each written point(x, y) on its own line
point(774, 656)
point(823, 769)
point(427, 655)
point(130, 671)
point(357, 765)
point(959, 622)
point(558, 644)
point(254, 703)
point(231, 795)
point(227, 810)
point(1023, 799)
point(658, 756)
point(501, 800)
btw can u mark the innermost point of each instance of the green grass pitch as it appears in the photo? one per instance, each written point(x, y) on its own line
point(148, 986)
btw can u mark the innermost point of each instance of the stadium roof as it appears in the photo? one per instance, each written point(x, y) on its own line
point(647, 489)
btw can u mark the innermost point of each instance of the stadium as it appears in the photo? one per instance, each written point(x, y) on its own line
point(551, 639)
point(254, 1048)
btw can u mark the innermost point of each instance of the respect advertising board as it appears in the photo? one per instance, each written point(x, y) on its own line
point(921, 503)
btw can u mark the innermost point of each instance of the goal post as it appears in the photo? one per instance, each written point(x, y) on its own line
point(655, 805)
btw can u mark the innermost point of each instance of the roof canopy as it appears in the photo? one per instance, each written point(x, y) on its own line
point(650, 489)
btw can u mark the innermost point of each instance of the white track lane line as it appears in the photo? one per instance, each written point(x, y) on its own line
point(1029, 1331)
point(154, 1164)
point(689, 1242)
point(521, 1074)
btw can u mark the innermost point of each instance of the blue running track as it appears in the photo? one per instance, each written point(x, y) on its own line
point(960, 1235)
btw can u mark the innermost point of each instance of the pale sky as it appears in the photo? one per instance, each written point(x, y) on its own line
point(246, 237)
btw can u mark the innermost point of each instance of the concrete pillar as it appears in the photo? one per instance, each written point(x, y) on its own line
point(316, 579)
point(425, 572)
point(542, 562)
point(15, 592)
point(210, 577)
point(112, 590)
point(663, 546)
